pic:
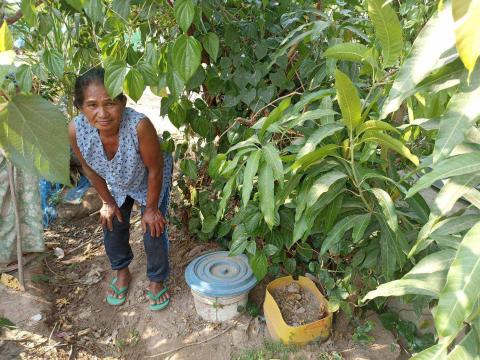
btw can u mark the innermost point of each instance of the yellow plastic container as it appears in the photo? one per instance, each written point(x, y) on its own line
point(300, 335)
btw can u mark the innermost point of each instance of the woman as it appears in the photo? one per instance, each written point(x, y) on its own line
point(120, 153)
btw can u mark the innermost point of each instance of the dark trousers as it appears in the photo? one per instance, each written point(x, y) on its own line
point(118, 248)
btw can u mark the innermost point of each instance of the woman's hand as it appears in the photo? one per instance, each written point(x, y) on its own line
point(107, 213)
point(153, 217)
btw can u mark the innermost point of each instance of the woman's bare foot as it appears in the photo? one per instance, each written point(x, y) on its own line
point(123, 279)
point(155, 288)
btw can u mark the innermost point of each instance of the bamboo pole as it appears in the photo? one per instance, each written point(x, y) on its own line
point(17, 225)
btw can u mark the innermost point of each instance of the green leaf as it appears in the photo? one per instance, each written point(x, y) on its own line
point(248, 175)
point(350, 52)
point(24, 77)
point(272, 157)
point(259, 264)
point(467, 32)
point(54, 62)
point(175, 83)
point(184, 13)
point(375, 125)
point(348, 100)
point(331, 213)
point(314, 157)
point(250, 142)
point(467, 348)
point(360, 227)
point(134, 84)
point(239, 241)
point(390, 143)
point(426, 278)
point(336, 234)
point(186, 56)
point(28, 13)
point(275, 115)
point(387, 206)
point(388, 30)
point(317, 137)
point(452, 190)
point(115, 72)
point(453, 166)
point(94, 10)
point(26, 128)
point(461, 113)
point(177, 114)
point(149, 74)
point(433, 48)
point(270, 249)
point(462, 289)
point(6, 323)
point(189, 168)
point(209, 224)
point(266, 187)
point(121, 8)
point(76, 4)
point(227, 191)
point(322, 185)
point(211, 44)
point(436, 352)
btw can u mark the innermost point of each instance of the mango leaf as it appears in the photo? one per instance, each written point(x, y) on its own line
point(184, 13)
point(259, 264)
point(390, 143)
point(331, 213)
point(239, 240)
point(266, 187)
point(336, 234)
point(272, 157)
point(134, 84)
point(461, 113)
point(452, 190)
point(231, 165)
point(322, 185)
point(274, 116)
point(308, 115)
point(250, 142)
point(467, 32)
point(453, 166)
point(209, 224)
point(226, 193)
point(387, 206)
point(186, 56)
point(248, 175)
point(115, 72)
point(433, 48)
point(6, 41)
point(388, 30)
point(375, 125)
point(314, 157)
point(77, 4)
point(211, 44)
point(427, 278)
point(350, 52)
point(462, 289)
point(360, 227)
point(467, 348)
point(455, 224)
point(348, 100)
point(317, 137)
point(435, 352)
point(26, 128)
point(393, 247)
point(54, 62)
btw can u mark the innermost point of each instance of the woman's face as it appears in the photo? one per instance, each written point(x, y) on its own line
point(100, 110)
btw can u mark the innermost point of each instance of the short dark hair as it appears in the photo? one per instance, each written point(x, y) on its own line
point(94, 75)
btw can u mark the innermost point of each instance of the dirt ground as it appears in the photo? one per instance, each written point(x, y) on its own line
point(64, 314)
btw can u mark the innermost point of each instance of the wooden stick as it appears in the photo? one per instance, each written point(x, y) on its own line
point(17, 225)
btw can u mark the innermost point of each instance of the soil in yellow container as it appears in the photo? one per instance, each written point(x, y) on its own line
point(300, 335)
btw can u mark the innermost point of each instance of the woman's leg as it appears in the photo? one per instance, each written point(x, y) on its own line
point(117, 246)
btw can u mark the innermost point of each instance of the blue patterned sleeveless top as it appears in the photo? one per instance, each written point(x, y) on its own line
point(125, 174)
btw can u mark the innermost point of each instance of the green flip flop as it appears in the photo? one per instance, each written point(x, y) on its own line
point(163, 305)
point(115, 301)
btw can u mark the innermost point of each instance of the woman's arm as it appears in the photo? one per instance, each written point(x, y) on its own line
point(152, 157)
point(109, 208)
